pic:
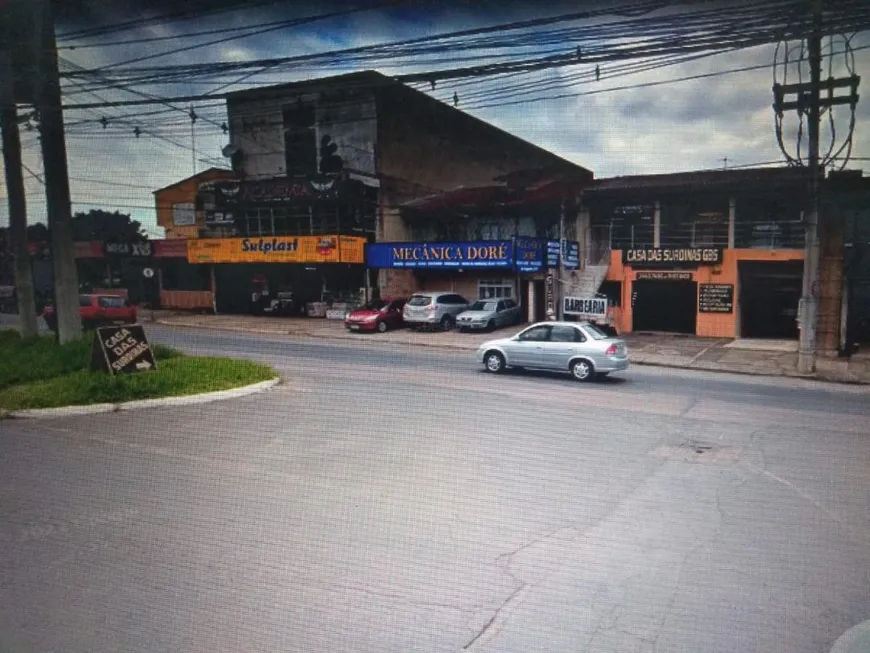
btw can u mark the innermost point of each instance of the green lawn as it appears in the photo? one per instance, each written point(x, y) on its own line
point(39, 373)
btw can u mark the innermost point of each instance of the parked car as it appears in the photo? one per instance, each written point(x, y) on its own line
point(379, 315)
point(434, 309)
point(576, 347)
point(489, 314)
point(97, 310)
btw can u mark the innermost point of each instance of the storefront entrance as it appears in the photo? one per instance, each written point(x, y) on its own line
point(769, 296)
point(539, 299)
point(669, 306)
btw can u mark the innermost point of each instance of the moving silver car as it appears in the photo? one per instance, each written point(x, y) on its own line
point(489, 314)
point(575, 347)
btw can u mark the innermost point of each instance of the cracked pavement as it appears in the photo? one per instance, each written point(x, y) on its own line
point(403, 500)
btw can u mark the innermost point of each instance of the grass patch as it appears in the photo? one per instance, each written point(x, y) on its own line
point(39, 373)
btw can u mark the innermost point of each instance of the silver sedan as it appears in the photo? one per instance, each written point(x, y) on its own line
point(575, 347)
point(489, 314)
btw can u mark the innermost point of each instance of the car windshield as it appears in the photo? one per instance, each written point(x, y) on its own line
point(595, 332)
point(482, 306)
point(419, 300)
point(376, 304)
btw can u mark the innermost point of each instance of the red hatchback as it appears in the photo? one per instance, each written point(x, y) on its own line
point(378, 315)
point(97, 310)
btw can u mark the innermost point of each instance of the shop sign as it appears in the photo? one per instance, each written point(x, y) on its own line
point(552, 253)
point(128, 249)
point(664, 276)
point(122, 350)
point(715, 298)
point(551, 297)
point(530, 254)
point(673, 256)
point(479, 254)
point(593, 307)
point(277, 191)
point(218, 218)
point(572, 254)
point(277, 249)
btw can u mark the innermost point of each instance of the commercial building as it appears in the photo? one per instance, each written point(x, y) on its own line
point(711, 253)
point(341, 161)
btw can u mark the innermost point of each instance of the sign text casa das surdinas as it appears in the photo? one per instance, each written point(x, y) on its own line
point(672, 256)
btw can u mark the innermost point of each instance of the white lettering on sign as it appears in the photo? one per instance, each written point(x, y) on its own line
point(591, 306)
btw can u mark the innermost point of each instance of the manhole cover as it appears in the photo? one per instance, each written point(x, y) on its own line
point(699, 453)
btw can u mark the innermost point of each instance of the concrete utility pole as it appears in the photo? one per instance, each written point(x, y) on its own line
point(17, 202)
point(560, 294)
point(809, 304)
point(57, 192)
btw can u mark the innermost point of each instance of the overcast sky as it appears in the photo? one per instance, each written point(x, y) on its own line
point(645, 128)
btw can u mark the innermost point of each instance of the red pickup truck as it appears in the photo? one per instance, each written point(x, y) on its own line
point(97, 310)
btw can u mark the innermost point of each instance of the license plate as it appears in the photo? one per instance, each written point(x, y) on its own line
point(354, 327)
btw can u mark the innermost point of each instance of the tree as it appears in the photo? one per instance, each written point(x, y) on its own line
point(109, 227)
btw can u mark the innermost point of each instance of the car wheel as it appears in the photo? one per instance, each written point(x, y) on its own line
point(382, 327)
point(582, 370)
point(447, 323)
point(490, 325)
point(494, 362)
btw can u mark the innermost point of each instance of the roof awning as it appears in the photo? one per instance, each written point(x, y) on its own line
point(481, 198)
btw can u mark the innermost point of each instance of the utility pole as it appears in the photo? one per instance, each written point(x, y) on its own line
point(16, 200)
point(809, 303)
point(48, 102)
point(560, 295)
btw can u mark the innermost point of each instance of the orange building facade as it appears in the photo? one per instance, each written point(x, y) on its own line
point(715, 254)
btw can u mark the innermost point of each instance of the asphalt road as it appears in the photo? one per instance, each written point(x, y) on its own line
point(397, 499)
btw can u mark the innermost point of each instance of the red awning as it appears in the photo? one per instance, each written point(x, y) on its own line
point(460, 197)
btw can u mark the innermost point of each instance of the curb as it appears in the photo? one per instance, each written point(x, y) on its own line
point(160, 402)
point(746, 372)
point(854, 640)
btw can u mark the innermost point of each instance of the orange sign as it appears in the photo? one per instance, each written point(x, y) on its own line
point(277, 249)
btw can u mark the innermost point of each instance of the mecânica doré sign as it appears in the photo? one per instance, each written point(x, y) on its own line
point(277, 249)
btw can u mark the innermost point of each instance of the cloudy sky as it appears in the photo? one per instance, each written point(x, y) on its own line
point(624, 123)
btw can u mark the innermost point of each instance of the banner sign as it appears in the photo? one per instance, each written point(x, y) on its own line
point(664, 276)
point(673, 256)
point(572, 255)
point(279, 191)
point(530, 254)
point(478, 254)
point(143, 249)
point(277, 249)
point(715, 298)
point(594, 307)
point(551, 295)
point(122, 350)
point(552, 253)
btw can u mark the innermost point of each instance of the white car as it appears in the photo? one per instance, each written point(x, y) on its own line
point(578, 348)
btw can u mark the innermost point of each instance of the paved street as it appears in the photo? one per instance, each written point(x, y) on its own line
point(399, 499)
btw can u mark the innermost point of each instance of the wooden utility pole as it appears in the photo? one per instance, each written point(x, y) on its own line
point(809, 304)
point(48, 102)
point(17, 203)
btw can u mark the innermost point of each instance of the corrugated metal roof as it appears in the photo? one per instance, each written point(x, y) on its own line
point(701, 179)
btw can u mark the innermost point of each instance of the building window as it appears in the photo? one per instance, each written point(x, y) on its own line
point(495, 289)
point(300, 140)
point(490, 231)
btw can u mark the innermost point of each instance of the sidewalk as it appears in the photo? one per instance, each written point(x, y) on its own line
point(768, 358)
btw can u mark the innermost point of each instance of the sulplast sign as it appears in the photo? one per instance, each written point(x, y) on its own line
point(277, 249)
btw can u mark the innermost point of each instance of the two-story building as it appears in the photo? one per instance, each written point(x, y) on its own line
point(710, 253)
point(344, 159)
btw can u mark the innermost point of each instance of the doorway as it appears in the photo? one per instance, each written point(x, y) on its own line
point(769, 296)
point(669, 306)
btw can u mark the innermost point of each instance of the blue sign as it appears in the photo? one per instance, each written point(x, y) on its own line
point(479, 254)
point(552, 253)
point(530, 254)
point(572, 255)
